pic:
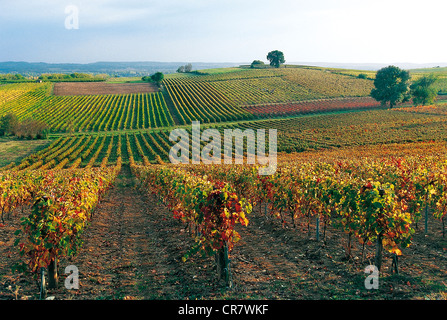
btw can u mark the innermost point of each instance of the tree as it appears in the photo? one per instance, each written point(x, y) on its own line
point(391, 85)
point(181, 69)
point(276, 58)
point(31, 129)
point(8, 123)
point(19, 77)
point(185, 69)
point(188, 67)
point(423, 90)
point(257, 64)
point(157, 77)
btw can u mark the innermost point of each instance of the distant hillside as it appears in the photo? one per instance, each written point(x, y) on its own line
point(135, 69)
point(371, 66)
point(123, 69)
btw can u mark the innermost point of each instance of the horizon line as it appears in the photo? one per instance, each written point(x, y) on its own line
point(221, 62)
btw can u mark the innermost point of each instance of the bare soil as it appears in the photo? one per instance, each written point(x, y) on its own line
point(97, 88)
point(133, 249)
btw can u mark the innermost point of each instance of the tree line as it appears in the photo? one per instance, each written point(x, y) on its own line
point(393, 85)
point(25, 129)
point(76, 76)
point(52, 77)
point(185, 69)
point(275, 58)
point(156, 78)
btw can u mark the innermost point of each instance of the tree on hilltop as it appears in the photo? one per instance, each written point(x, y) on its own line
point(391, 86)
point(276, 57)
point(257, 64)
point(185, 69)
point(423, 90)
point(7, 124)
point(26, 129)
point(157, 77)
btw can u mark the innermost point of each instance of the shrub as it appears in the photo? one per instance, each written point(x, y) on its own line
point(31, 129)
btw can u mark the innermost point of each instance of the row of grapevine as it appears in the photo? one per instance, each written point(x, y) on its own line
point(129, 151)
point(373, 200)
point(17, 189)
point(151, 150)
point(436, 109)
point(93, 150)
point(312, 106)
point(298, 134)
point(236, 74)
point(210, 209)
point(380, 126)
point(263, 90)
point(105, 160)
point(110, 112)
point(327, 83)
point(63, 202)
point(26, 103)
point(200, 101)
point(89, 113)
point(13, 92)
point(246, 87)
point(140, 150)
point(97, 152)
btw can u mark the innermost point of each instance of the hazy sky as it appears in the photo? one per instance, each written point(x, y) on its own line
point(379, 31)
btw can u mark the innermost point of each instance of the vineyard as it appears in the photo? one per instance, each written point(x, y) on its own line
point(325, 131)
point(62, 202)
point(356, 185)
point(91, 112)
point(214, 98)
point(267, 86)
point(201, 102)
point(312, 106)
point(306, 200)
